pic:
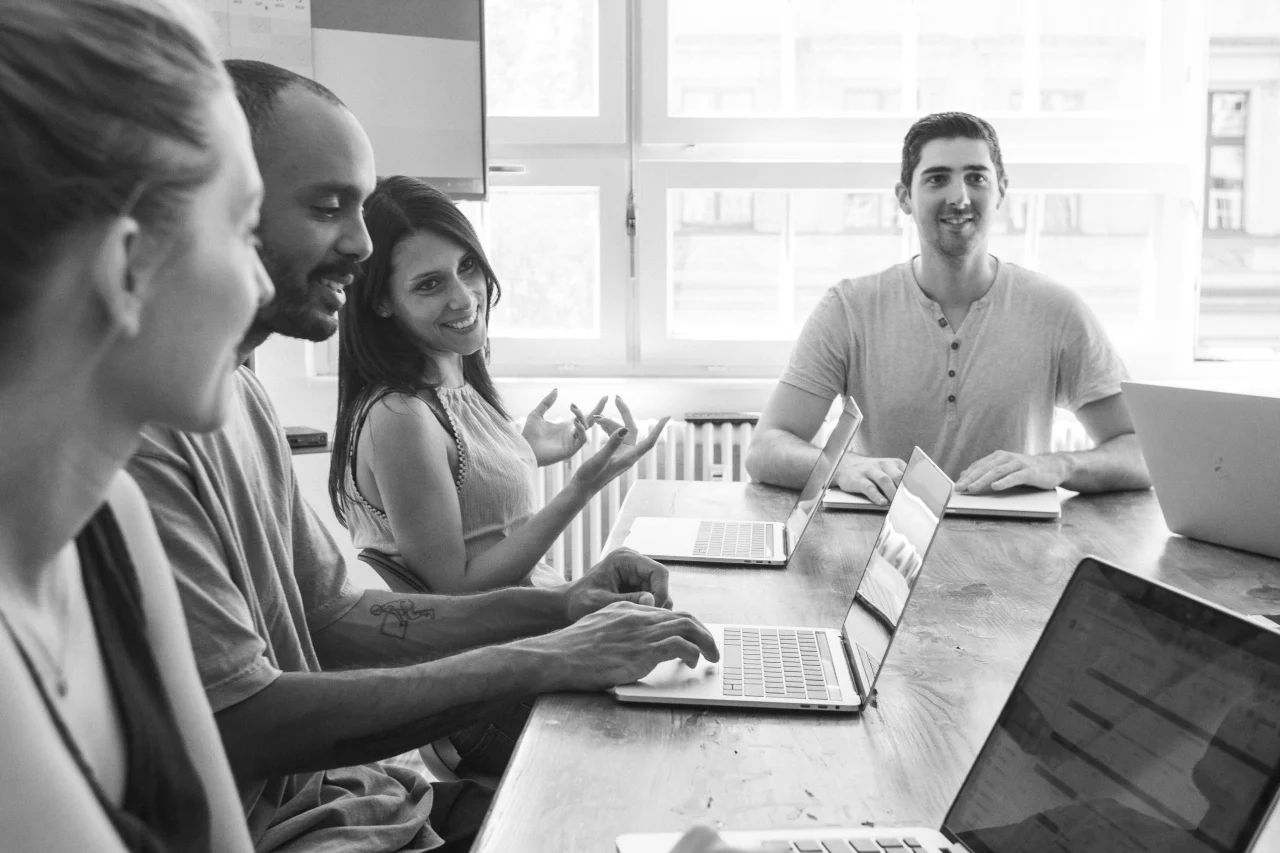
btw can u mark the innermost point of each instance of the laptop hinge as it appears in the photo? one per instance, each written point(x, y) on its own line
point(859, 680)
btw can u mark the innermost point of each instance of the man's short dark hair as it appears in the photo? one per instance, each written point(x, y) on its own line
point(948, 126)
point(259, 84)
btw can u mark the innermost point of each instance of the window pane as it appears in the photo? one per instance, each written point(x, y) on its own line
point(544, 245)
point(542, 57)
point(725, 57)
point(1094, 54)
point(1227, 114)
point(972, 55)
point(1100, 245)
point(1239, 306)
point(1009, 229)
point(726, 264)
point(848, 56)
point(839, 235)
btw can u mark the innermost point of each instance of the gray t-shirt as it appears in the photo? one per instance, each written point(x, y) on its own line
point(1027, 346)
point(258, 573)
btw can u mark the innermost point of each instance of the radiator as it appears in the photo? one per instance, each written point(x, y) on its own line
point(685, 451)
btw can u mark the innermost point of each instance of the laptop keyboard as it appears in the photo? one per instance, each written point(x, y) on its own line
point(777, 663)
point(859, 845)
point(733, 539)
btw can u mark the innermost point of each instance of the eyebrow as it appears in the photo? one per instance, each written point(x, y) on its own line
point(345, 192)
point(936, 170)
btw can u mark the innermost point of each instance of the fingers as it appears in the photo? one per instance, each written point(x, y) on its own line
point(678, 647)
point(700, 839)
point(608, 424)
point(595, 413)
point(884, 482)
point(634, 571)
point(652, 438)
point(1020, 477)
point(983, 483)
point(627, 420)
point(547, 402)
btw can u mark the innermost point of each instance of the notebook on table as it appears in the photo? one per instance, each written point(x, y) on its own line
point(818, 669)
point(1145, 720)
point(1214, 458)
point(1014, 503)
point(742, 541)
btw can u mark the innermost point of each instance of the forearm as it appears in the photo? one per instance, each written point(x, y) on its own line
point(1111, 466)
point(391, 629)
point(508, 562)
point(305, 722)
point(780, 458)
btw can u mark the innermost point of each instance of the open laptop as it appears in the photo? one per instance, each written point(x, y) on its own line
point(1145, 720)
point(769, 543)
point(818, 669)
point(1014, 503)
point(1214, 458)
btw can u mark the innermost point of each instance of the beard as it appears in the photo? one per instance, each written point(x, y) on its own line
point(303, 306)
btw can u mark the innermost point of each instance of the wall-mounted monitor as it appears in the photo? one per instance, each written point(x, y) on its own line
point(412, 71)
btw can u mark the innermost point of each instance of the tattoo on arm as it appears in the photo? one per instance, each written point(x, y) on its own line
point(396, 616)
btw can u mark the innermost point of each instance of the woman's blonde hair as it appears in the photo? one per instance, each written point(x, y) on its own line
point(103, 108)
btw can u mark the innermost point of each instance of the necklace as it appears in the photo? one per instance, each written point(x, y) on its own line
point(54, 663)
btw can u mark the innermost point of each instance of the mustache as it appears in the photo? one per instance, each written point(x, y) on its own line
point(338, 269)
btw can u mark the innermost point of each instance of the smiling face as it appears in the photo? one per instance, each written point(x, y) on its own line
point(204, 283)
point(317, 164)
point(953, 193)
point(437, 293)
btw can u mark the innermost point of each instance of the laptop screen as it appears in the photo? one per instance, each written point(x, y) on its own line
point(895, 562)
point(823, 471)
point(1144, 721)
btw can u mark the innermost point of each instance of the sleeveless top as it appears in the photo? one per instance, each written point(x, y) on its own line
point(164, 807)
point(494, 481)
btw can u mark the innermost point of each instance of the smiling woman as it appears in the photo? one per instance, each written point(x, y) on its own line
point(128, 276)
point(429, 473)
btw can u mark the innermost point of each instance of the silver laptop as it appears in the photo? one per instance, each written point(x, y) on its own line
point(1013, 503)
point(818, 669)
point(1145, 720)
point(1214, 458)
point(726, 540)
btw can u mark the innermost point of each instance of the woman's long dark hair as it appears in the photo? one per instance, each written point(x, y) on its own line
point(375, 356)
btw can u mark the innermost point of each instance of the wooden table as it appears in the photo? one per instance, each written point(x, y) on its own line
point(589, 768)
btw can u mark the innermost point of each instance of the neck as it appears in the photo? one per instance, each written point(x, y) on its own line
point(65, 442)
point(952, 280)
point(447, 369)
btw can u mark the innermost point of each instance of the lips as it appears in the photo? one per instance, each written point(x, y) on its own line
point(464, 324)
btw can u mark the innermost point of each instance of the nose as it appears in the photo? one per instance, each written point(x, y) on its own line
point(460, 296)
point(958, 194)
point(266, 289)
point(354, 241)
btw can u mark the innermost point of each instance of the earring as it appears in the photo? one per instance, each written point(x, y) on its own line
point(384, 313)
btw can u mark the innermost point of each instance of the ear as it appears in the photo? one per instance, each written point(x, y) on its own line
point(119, 279)
point(903, 192)
point(1003, 184)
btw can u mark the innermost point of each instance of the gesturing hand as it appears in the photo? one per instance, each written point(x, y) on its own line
point(874, 478)
point(623, 575)
point(619, 453)
point(1005, 469)
point(620, 644)
point(555, 442)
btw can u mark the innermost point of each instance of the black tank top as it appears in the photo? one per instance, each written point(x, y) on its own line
point(165, 809)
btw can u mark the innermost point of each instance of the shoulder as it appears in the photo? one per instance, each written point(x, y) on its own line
point(1040, 291)
point(405, 416)
point(890, 281)
point(138, 529)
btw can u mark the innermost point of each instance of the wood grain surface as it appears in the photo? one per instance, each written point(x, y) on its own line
point(588, 768)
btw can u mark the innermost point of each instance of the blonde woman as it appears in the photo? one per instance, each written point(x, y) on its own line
point(128, 274)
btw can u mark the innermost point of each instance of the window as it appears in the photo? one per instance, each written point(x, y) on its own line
point(1239, 294)
point(675, 184)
